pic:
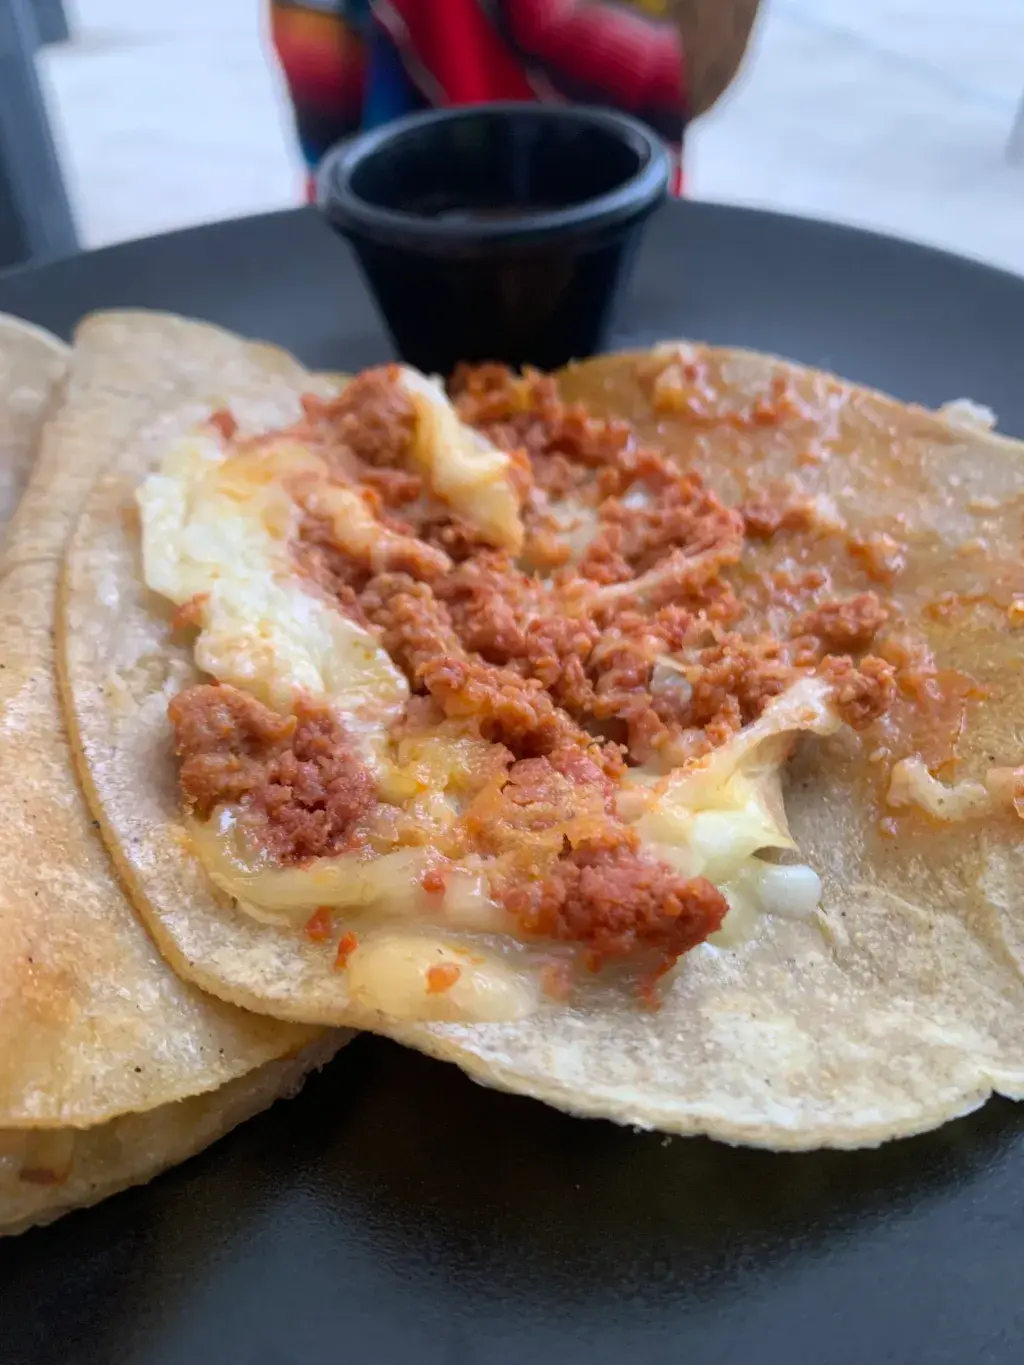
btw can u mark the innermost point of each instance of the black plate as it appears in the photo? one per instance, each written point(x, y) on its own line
point(396, 1212)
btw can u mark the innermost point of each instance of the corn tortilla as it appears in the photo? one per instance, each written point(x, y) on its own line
point(111, 1068)
point(898, 1006)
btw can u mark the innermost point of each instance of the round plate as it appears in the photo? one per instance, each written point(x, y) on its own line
point(395, 1211)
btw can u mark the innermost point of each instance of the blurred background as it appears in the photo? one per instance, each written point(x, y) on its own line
point(894, 114)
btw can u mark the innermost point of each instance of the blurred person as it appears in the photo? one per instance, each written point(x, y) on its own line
point(354, 64)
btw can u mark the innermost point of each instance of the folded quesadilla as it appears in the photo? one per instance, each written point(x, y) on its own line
point(645, 738)
point(111, 1068)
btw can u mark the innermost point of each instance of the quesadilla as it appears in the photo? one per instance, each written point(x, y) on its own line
point(111, 1068)
point(474, 709)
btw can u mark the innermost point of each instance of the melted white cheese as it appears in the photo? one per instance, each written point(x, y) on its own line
point(412, 976)
point(911, 784)
point(712, 817)
point(289, 895)
point(217, 528)
point(461, 466)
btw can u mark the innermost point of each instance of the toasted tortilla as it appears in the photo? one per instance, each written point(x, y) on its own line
point(32, 367)
point(111, 1068)
point(45, 1173)
point(900, 1005)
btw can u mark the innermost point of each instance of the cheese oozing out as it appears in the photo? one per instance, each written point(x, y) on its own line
point(710, 820)
point(217, 526)
point(461, 466)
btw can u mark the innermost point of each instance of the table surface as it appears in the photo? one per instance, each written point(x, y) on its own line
point(397, 1212)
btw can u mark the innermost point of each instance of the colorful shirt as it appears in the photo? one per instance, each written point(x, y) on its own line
point(354, 64)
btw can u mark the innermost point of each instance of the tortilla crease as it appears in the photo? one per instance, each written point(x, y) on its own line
point(32, 367)
point(110, 1067)
point(45, 1173)
point(900, 1005)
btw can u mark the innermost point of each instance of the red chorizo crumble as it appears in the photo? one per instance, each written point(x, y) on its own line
point(762, 519)
point(849, 624)
point(319, 559)
point(616, 901)
point(647, 639)
point(861, 694)
point(433, 881)
point(396, 487)
point(223, 422)
point(684, 521)
point(320, 924)
point(561, 440)
point(442, 977)
point(880, 556)
point(190, 613)
point(682, 385)
point(574, 872)
point(298, 781)
point(347, 945)
point(372, 418)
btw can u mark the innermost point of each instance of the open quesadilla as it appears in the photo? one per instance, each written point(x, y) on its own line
point(646, 739)
point(111, 1068)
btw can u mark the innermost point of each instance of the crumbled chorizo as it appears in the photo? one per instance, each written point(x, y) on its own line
point(223, 422)
point(190, 613)
point(544, 663)
point(635, 537)
point(298, 781)
point(615, 902)
point(442, 977)
point(540, 804)
point(417, 631)
point(489, 602)
point(862, 692)
point(396, 487)
point(557, 651)
point(512, 710)
point(880, 556)
point(347, 945)
point(848, 625)
point(221, 734)
point(734, 678)
point(447, 531)
point(320, 924)
point(320, 560)
point(525, 413)
point(373, 417)
point(433, 881)
point(764, 519)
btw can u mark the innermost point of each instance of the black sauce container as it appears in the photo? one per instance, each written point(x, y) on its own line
point(499, 231)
